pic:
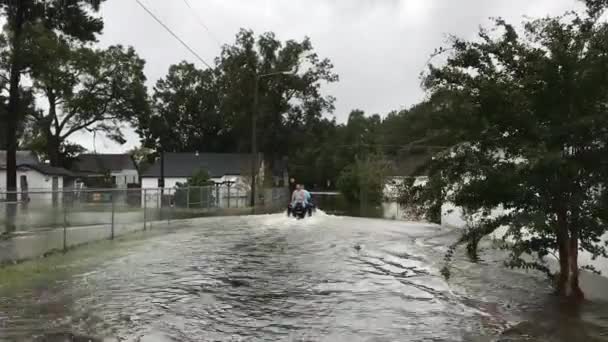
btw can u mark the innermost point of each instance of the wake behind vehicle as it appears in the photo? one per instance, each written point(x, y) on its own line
point(300, 210)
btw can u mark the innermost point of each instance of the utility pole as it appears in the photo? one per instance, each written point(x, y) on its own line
point(254, 139)
point(162, 170)
point(16, 20)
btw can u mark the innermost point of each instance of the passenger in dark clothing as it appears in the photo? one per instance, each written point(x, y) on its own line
point(292, 186)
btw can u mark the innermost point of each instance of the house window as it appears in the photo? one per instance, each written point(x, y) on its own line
point(160, 183)
point(114, 180)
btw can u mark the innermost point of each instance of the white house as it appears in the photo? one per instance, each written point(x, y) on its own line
point(120, 167)
point(35, 181)
point(393, 185)
point(229, 171)
point(406, 165)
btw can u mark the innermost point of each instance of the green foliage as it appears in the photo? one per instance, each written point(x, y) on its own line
point(185, 101)
point(363, 181)
point(211, 110)
point(198, 191)
point(21, 51)
point(348, 184)
point(142, 156)
point(533, 120)
point(68, 152)
point(200, 178)
point(287, 102)
point(86, 89)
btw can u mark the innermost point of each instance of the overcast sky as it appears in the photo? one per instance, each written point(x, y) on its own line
point(378, 47)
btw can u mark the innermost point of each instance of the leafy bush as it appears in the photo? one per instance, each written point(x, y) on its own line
point(198, 191)
point(363, 181)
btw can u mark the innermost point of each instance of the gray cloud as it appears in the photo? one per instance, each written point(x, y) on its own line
point(378, 47)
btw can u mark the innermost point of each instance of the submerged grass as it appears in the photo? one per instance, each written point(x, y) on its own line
point(59, 264)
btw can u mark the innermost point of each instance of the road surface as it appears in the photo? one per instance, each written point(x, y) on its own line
point(271, 278)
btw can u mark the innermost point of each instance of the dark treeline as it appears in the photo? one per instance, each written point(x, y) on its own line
point(210, 110)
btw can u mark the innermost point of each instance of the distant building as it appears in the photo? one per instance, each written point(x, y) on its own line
point(233, 169)
point(179, 167)
point(35, 179)
point(405, 166)
point(120, 168)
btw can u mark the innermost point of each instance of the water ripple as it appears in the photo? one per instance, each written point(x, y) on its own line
point(269, 278)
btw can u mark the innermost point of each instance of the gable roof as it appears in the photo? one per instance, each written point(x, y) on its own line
point(216, 164)
point(47, 169)
point(100, 163)
point(23, 157)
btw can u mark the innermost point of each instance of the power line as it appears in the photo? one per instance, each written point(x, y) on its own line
point(201, 23)
point(173, 34)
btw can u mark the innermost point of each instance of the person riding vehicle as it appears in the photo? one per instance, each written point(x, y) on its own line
point(302, 197)
point(309, 203)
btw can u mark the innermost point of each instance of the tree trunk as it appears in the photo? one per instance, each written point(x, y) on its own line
point(574, 270)
point(53, 141)
point(567, 281)
point(54, 158)
point(13, 113)
point(53, 150)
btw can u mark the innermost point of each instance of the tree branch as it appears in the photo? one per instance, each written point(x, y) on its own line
point(79, 127)
point(90, 91)
point(96, 118)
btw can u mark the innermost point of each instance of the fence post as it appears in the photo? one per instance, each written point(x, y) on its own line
point(170, 209)
point(174, 203)
point(159, 203)
point(188, 197)
point(217, 196)
point(65, 225)
point(209, 196)
point(113, 208)
point(203, 197)
point(145, 206)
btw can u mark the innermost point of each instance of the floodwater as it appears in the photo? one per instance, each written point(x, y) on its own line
point(273, 278)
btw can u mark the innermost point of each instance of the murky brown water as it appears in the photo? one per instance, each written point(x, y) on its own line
point(270, 278)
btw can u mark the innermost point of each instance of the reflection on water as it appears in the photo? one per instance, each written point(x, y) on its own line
point(274, 278)
point(336, 204)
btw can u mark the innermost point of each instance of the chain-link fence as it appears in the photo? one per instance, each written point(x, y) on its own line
point(40, 221)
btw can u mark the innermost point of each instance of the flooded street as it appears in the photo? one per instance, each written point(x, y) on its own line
point(271, 278)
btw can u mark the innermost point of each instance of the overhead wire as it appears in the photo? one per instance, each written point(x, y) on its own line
point(202, 23)
point(168, 29)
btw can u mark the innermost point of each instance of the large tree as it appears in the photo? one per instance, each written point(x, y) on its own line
point(98, 90)
point(185, 115)
point(318, 155)
point(536, 124)
point(291, 98)
point(211, 110)
point(25, 19)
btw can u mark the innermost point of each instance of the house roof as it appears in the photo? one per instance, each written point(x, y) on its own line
point(47, 169)
point(23, 157)
point(216, 164)
point(101, 163)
